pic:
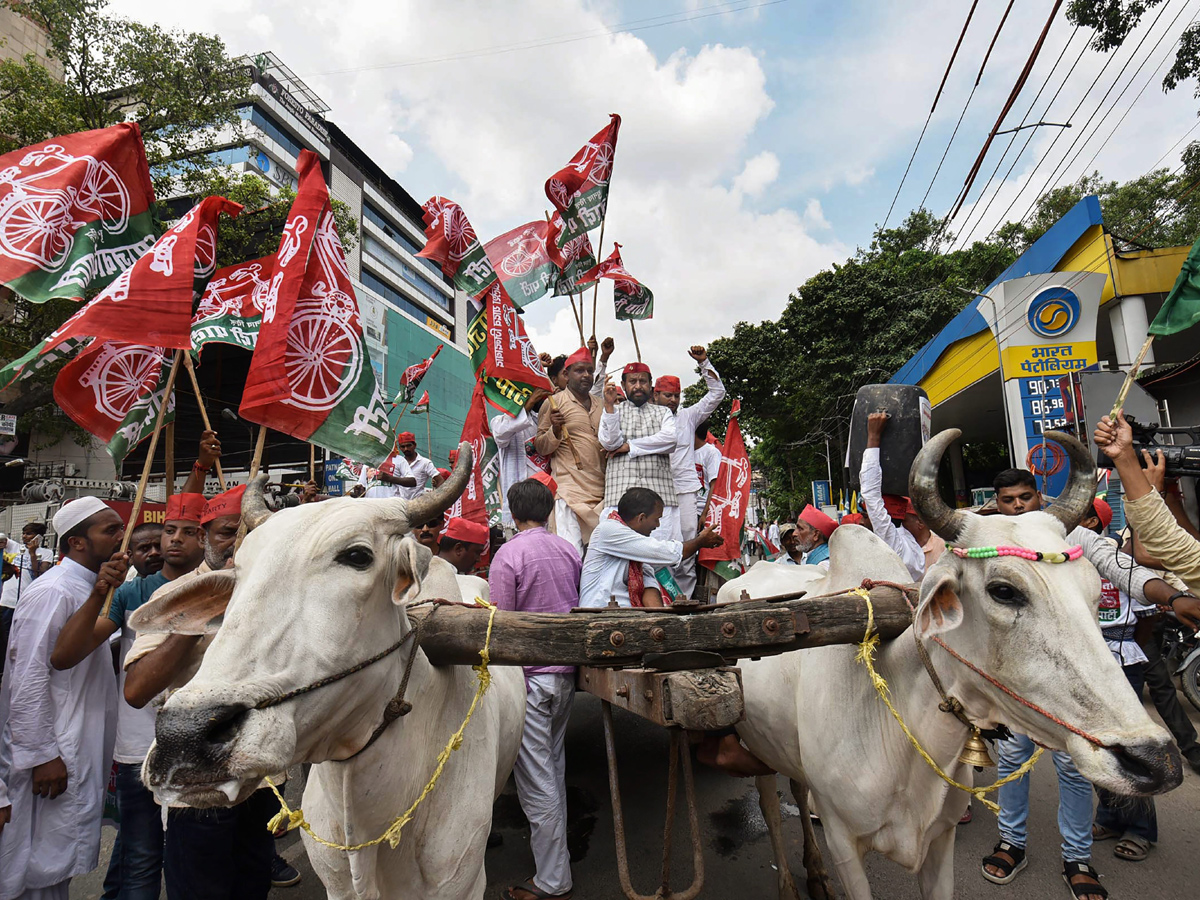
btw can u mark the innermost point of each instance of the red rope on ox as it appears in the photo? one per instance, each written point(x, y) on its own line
point(1028, 704)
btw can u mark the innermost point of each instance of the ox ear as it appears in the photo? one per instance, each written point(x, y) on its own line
point(412, 566)
point(195, 606)
point(940, 609)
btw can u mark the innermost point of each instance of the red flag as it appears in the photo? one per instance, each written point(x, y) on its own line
point(410, 379)
point(480, 500)
point(74, 212)
point(99, 387)
point(580, 189)
point(730, 496)
point(151, 301)
point(510, 364)
point(524, 261)
point(451, 242)
point(422, 405)
point(632, 298)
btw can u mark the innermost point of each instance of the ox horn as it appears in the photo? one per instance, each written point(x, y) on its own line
point(254, 505)
point(1076, 499)
point(943, 521)
point(425, 506)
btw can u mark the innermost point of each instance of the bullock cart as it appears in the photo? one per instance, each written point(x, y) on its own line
point(674, 667)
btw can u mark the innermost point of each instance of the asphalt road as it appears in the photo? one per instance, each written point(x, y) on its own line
point(737, 855)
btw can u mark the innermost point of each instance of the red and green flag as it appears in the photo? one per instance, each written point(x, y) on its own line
point(579, 190)
point(75, 212)
point(311, 375)
point(1181, 309)
point(114, 390)
point(422, 405)
point(480, 500)
point(231, 307)
point(411, 378)
point(502, 355)
point(572, 259)
point(451, 242)
point(151, 301)
point(632, 299)
point(523, 262)
point(730, 500)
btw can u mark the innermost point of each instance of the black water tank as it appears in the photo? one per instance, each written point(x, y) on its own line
point(906, 433)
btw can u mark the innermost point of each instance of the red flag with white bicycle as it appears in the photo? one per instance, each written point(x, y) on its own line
point(411, 377)
point(451, 242)
point(579, 190)
point(310, 375)
point(231, 307)
point(74, 212)
point(730, 497)
point(508, 363)
point(632, 299)
point(522, 259)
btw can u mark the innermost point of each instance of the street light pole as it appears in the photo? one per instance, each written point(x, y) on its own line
point(1000, 363)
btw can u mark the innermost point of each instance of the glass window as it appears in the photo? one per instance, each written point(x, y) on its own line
point(385, 290)
point(385, 257)
point(273, 130)
point(399, 236)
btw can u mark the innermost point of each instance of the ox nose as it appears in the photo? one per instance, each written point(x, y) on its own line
point(1153, 766)
point(198, 737)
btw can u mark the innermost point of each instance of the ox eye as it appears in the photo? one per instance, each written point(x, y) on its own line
point(1005, 593)
point(355, 558)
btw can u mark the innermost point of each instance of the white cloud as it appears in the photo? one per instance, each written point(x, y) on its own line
point(760, 172)
point(814, 216)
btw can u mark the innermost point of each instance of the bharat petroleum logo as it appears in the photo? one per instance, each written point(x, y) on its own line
point(1053, 312)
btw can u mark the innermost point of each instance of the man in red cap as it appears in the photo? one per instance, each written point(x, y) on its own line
point(567, 434)
point(813, 530)
point(639, 437)
point(461, 544)
point(668, 393)
point(405, 472)
point(138, 854)
point(892, 517)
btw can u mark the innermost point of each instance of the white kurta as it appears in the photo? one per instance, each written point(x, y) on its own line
point(48, 714)
point(687, 418)
point(510, 434)
point(870, 479)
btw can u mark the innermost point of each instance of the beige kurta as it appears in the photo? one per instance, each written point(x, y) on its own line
point(1164, 538)
point(580, 485)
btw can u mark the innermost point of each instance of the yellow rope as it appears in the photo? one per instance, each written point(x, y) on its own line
point(866, 656)
point(294, 818)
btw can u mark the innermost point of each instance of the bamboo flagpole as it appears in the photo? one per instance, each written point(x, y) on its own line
point(312, 462)
point(141, 491)
point(187, 362)
point(599, 258)
point(635, 340)
point(428, 434)
point(1129, 376)
point(255, 461)
point(577, 313)
point(169, 428)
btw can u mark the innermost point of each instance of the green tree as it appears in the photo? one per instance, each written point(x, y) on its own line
point(1113, 20)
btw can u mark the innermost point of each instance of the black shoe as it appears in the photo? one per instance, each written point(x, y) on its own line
point(495, 839)
point(283, 875)
point(1193, 758)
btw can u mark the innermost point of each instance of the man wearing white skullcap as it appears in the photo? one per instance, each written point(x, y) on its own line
point(57, 727)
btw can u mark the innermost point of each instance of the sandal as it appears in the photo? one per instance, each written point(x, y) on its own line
point(1010, 867)
point(1074, 870)
point(1132, 848)
point(1103, 833)
point(532, 889)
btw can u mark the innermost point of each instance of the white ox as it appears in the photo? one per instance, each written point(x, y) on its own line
point(814, 716)
point(318, 589)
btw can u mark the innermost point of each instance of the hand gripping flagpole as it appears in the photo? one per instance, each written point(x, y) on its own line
point(141, 491)
point(187, 362)
point(1129, 377)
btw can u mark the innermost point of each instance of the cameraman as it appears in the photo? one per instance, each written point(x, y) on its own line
point(1154, 524)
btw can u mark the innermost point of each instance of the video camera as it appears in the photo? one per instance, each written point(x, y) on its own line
point(1181, 460)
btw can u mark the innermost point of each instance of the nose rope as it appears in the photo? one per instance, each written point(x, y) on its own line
point(995, 682)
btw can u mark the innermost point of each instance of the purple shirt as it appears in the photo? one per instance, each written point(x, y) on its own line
point(536, 572)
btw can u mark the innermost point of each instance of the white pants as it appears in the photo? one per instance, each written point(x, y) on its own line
point(685, 572)
point(60, 891)
point(566, 526)
point(540, 774)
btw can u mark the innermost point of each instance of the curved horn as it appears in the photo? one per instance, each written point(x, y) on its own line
point(425, 506)
point(943, 521)
point(1076, 499)
point(254, 506)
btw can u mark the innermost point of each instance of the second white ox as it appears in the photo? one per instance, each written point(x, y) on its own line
point(318, 590)
point(814, 715)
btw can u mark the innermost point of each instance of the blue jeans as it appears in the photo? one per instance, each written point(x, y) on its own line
point(1129, 815)
point(223, 853)
point(1074, 800)
point(135, 870)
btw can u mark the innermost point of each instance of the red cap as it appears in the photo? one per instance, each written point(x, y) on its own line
point(818, 520)
point(583, 354)
point(852, 519)
point(226, 504)
point(453, 456)
point(184, 508)
point(898, 507)
point(1104, 511)
point(547, 479)
point(466, 531)
point(445, 473)
point(405, 437)
point(668, 383)
point(634, 368)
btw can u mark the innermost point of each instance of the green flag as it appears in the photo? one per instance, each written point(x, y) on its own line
point(1181, 309)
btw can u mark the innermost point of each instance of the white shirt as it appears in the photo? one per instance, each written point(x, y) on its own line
point(44, 714)
point(870, 479)
point(606, 567)
point(708, 464)
point(422, 470)
point(683, 457)
point(510, 434)
point(18, 585)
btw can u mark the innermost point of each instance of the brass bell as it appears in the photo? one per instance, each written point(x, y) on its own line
point(975, 752)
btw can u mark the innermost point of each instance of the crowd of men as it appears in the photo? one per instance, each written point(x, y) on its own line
point(603, 488)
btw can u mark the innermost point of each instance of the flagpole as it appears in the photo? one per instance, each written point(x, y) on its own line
point(255, 461)
point(577, 313)
point(1129, 376)
point(170, 465)
point(599, 257)
point(187, 362)
point(141, 491)
point(635, 340)
point(428, 434)
point(312, 462)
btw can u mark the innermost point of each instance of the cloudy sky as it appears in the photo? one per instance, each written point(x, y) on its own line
point(761, 141)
